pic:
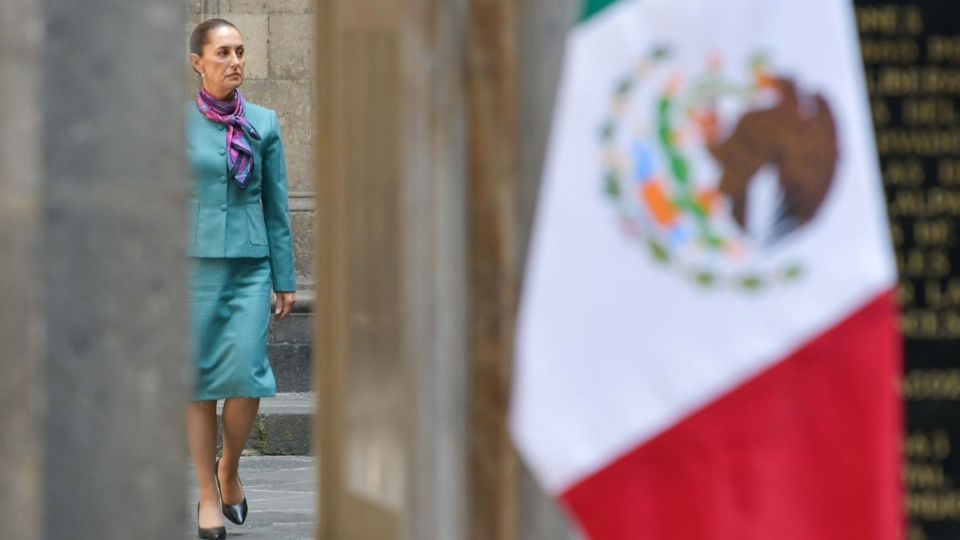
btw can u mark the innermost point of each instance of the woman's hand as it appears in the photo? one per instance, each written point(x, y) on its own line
point(284, 303)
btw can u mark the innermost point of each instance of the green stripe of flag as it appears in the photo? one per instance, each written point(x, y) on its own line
point(592, 7)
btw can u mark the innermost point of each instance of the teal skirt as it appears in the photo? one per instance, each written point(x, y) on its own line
point(230, 306)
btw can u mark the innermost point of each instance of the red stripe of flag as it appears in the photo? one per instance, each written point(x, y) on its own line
point(807, 450)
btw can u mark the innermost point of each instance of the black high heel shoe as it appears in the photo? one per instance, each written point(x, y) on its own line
point(236, 513)
point(213, 533)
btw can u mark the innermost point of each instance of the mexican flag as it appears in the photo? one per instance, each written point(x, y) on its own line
point(708, 344)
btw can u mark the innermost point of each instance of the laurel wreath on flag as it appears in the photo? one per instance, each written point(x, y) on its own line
point(664, 206)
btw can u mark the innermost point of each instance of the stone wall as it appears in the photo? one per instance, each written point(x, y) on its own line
point(278, 35)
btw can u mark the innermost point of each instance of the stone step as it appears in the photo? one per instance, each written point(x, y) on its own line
point(284, 426)
point(292, 366)
point(290, 348)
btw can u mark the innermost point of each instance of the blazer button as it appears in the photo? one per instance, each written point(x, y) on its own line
point(223, 207)
point(220, 127)
point(222, 151)
point(223, 179)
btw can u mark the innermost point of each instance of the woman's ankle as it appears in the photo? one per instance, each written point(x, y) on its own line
point(227, 469)
point(210, 496)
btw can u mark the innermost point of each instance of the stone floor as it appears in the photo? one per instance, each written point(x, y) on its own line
point(281, 492)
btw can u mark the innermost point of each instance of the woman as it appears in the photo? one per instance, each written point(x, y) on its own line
point(241, 247)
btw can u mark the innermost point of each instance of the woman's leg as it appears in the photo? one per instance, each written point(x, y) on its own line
point(238, 417)
point(202, 437)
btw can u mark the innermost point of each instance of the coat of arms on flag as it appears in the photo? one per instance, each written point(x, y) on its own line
point(704, 152)
point(685, 155)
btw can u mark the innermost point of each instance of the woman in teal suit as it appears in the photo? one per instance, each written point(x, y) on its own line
point(240, 245)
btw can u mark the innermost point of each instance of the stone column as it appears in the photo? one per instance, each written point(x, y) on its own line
point(494, 264)
point(544, 27)
point(390, 265)
point(360, 369)
point(114, 269)
point(21, 397)
point(435, 299)
point(516, 52)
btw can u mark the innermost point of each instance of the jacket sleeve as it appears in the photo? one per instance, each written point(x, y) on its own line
point(276, 211)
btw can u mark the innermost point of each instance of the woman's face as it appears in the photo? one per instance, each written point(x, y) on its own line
point(222, 64)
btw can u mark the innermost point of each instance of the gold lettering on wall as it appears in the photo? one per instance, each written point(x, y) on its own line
point(890, 51)
point(932, 494)
point(906, 172)
point(948, 172)
point(932, 385)
point(914, 79)
point(923, 263)
point(890, 20)
point(913, 76)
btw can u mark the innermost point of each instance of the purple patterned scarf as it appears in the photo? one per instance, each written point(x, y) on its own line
point(231, 114)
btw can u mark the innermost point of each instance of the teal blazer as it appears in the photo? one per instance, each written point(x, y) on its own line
point(226, 221)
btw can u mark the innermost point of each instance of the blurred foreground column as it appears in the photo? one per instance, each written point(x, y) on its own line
point(20, 316)
point(493, 217)
point(544, 26)
point(92, 251)
point(390, 347)
point(114, 268)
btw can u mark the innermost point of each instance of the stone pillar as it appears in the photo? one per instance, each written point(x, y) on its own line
point(516, 52)
point(494, 263)
point(544, 27)
point(435, 300)
point(390, 265)
point(114, 270)
point(21, 396)
point(360, 371)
